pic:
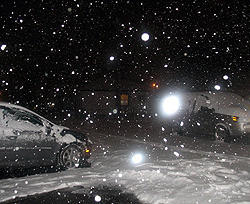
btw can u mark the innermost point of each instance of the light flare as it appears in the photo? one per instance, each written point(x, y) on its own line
point(145, 37)
point(171, 105)
point(137, 158)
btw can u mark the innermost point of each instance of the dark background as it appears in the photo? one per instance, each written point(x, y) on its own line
point(56, 48)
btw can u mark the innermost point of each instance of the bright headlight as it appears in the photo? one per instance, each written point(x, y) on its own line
point(171, 104)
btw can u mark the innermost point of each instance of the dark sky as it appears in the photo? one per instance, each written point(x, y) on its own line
point(59, 47)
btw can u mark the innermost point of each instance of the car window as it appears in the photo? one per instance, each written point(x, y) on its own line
point(25, 116)
point(12, 116)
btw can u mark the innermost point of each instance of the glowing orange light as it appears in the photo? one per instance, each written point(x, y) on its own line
point(154, 85)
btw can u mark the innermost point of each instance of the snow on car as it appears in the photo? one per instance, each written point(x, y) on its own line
point(27, 139)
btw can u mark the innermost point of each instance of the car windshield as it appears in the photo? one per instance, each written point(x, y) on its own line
point(148, 101)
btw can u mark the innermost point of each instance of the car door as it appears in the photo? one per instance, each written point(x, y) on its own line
point(8, 154)
point(201, 121)
point(37, 143)
point(48, 145)
point(190, 120)
point(26, 137)
point(17, 134)
point(206, 119)
point(2, 144)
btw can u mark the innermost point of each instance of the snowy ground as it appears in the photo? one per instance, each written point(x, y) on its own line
point(169, 172)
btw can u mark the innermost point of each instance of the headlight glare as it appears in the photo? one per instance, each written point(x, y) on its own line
point(171, 105)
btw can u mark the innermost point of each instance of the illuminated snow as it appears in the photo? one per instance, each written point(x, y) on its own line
point(176, 154)
point(98, 198)
point(3, 47)
point(145, 37)
point(217, 87)
point(111, 58)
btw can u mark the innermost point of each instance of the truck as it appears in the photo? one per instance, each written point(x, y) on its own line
point(220, 115)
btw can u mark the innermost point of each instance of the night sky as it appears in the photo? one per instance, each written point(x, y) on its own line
point(59, 47)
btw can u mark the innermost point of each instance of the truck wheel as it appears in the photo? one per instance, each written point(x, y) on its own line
point(222, 134)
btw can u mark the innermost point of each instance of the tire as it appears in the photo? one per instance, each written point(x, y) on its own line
point(70, 156)
point(176, 130)
point(222, 134)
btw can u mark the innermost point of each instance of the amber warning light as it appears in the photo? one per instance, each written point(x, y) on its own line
point(156, 86)
point(235, 118)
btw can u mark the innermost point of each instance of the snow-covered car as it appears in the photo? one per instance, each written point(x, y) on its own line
point(222, 115)
point(27, 139)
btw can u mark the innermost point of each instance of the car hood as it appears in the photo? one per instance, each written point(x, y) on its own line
point(77, 135)
point(67, 135)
